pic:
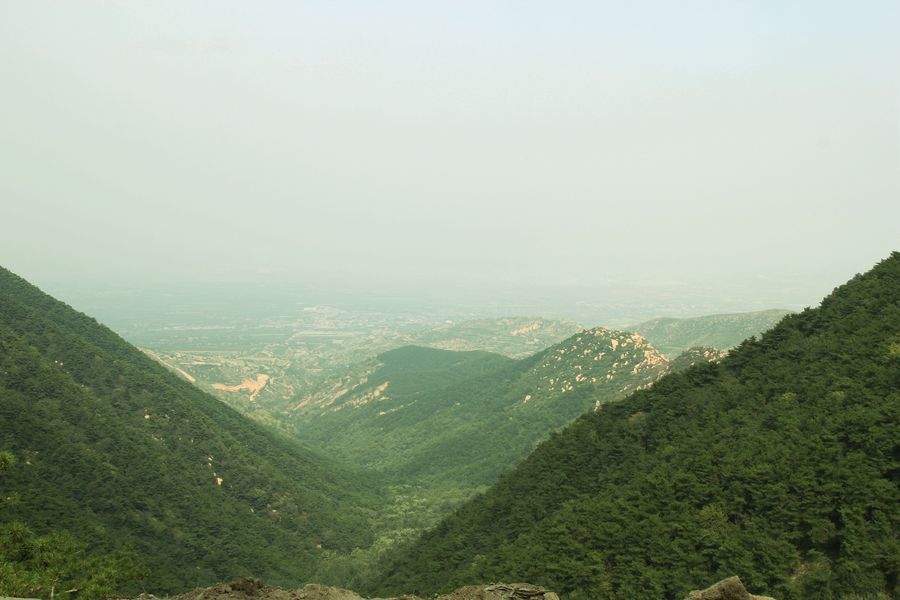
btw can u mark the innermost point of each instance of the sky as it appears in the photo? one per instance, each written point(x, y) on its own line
point(450, 144)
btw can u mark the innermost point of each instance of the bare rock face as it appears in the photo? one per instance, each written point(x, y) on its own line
point(249, 588)
point(727, 589)
point(501, 591)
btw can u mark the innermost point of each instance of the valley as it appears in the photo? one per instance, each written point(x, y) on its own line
point(295, 357)
point(377, 466)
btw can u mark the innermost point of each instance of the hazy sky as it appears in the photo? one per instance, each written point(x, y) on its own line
point(510, 142)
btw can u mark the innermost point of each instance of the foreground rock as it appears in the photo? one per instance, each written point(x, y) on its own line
point(253, 589)
point(249, 588)
point(500, 591)
point(727, 589)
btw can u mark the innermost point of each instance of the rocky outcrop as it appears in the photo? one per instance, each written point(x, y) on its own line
point(727, 589)
point(253, 589)
point(501, 591)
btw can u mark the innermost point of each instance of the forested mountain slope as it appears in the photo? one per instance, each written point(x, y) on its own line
point(672, 336)
point(112, 447)
point(422, 413)
point(778, 463)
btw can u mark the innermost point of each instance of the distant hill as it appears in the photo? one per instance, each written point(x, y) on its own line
point(673, 336)
point(120, 452)
point(281, 360)
point(516, 337)
point(778, 463)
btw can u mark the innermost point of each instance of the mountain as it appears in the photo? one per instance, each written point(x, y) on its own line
point(778, 463)
point(423, 413)
point(121, 453)
point(672, 336)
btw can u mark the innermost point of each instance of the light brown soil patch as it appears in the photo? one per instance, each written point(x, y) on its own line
point(250, 385)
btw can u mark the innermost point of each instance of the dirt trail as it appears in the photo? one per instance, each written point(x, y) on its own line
point(159, 359)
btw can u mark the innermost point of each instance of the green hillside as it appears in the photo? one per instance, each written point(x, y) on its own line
point(778, 463)
point(118, 451)
point(672, 336)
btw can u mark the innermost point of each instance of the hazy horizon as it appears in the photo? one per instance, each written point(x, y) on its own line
point(749, 150)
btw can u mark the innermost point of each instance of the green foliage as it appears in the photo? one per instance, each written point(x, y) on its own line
point(56, 565)
point(6, 460)
point(779, 463)
point(693, 356)
point(113, 448)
